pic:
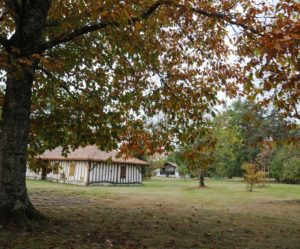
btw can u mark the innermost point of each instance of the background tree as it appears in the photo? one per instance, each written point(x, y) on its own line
point(40, 166)
point(72, 69)
point(183, 171)
point(245, 117)
point(199, 154)
point(229, 146)
point(246, 132)
point(285, 165)
point(264, 158)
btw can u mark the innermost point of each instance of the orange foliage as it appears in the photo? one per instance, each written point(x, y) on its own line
point(146, 73)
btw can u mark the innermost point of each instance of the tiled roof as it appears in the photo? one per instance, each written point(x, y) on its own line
point(172, 164)
point(89, 153)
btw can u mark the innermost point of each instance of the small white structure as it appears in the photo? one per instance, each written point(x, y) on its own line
point(168, 170)
point(90, 166)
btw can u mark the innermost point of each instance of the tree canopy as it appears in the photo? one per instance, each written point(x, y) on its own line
point(115, 71)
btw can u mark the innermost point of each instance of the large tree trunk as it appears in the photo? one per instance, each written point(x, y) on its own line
point(30, 21)
point(14, 202)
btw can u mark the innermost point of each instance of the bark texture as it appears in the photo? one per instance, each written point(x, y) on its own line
point(201, 178)
point(30, 20)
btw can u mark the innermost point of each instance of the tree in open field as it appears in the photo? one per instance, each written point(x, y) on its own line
point(198, 155)
point(82, 72)
point(252, 175)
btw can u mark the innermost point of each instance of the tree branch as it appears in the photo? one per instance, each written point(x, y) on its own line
point(52, 23)
point(145, 15)
point(63, 84)
point(296, 154)
point(98, 26)
point(228, 19)
point(75, 33)
point(56, 22)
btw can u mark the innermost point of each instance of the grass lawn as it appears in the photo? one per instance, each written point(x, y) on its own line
point(163, 213)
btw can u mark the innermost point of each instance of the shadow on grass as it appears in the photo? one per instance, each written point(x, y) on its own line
point(88, 218)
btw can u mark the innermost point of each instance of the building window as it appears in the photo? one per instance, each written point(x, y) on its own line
point(72, 169)
point(123, 172)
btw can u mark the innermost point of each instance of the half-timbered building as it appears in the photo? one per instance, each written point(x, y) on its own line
point(90, 166)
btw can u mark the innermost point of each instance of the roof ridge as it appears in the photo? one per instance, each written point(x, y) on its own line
point(89, 153)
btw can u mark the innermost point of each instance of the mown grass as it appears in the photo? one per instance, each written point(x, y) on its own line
point(162, 213)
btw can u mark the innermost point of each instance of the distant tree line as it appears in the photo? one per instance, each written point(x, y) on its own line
point(245, 133)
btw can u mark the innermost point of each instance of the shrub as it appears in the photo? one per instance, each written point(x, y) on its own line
point(252, 176)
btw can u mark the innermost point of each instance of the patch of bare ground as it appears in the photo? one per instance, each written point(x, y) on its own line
point(285, 209)
point(200, 187)
point(287, 202)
